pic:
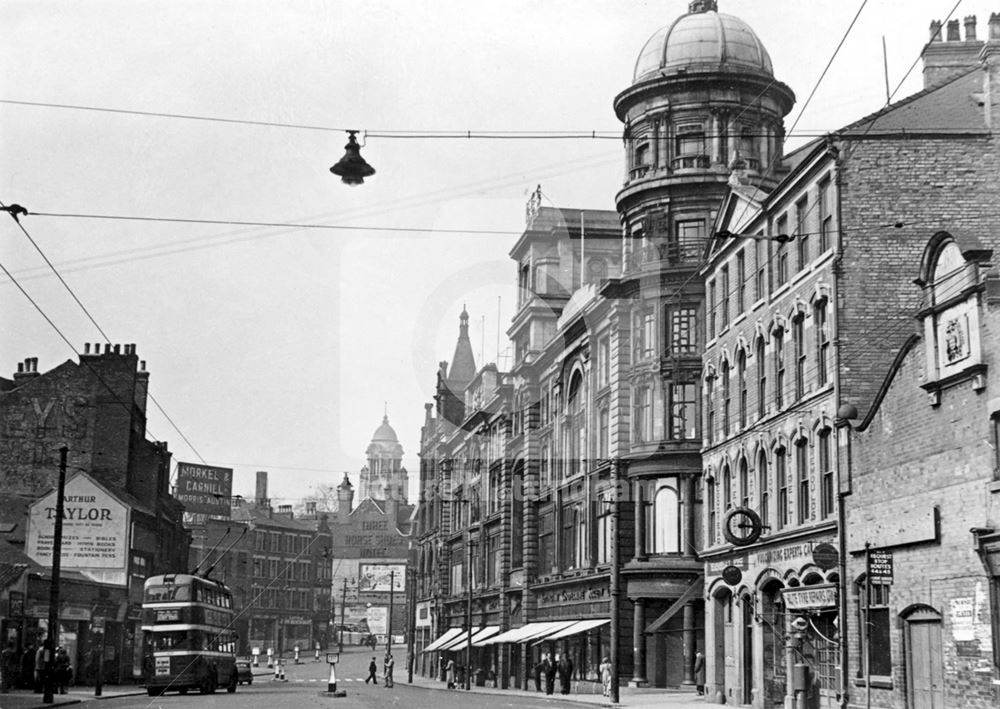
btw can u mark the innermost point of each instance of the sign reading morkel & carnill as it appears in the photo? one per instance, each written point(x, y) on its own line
point(204, 488)
point(94, 533)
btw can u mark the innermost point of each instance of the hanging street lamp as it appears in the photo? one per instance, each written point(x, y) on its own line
point(352, 168)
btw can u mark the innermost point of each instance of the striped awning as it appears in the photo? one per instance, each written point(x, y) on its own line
point(578, 627)
point(447, 636)
point(531, 631)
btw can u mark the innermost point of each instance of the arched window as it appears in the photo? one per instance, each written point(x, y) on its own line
point(744, 483)
point(713, 510)
point(781, 483)
point(741, 386)
point(727, 487)
point(802, 471)
point(663, 519)
point(575, 429)
point(827, 495)
point(799, 343)
point(761, 380)
point(764, 488)
point(726, 397)
point(822, 329)
point(710, 409)
point(779, 368)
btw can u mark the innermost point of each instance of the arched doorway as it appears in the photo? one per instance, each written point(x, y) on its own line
point(772, 612)
point(924, 666)
point(747, 675)
point(722, 610)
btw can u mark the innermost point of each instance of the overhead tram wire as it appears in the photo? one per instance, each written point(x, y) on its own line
point(90, 317)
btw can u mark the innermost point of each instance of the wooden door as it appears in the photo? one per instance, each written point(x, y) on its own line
point(925, 671)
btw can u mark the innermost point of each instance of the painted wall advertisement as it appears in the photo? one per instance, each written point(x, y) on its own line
point(204, 488)
point(94, 533)
point(377, 578)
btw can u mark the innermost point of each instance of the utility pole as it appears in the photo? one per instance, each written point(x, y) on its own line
point(615, 579)
point(468, 623)
point(411, 617)
point(48, 676)
point(343, 610)
point(388, 621)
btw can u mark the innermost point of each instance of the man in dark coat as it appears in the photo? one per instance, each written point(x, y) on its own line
point(565, 674)
point(536, 672)
point(372, 671)
point(28, 667)
point(549, 668)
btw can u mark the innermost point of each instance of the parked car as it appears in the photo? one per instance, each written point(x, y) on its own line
point(244, 672)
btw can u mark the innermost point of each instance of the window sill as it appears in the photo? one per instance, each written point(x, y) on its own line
point(876, 682)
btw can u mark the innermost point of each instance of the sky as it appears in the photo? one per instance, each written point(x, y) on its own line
point(280, 348)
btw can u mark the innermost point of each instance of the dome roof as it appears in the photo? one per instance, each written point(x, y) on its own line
point(385, 433)
point(703, 41)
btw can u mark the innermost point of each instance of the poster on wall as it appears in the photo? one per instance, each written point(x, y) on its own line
point(377, 619)
point(204, 488)
point(95, 528)
point(378, 578)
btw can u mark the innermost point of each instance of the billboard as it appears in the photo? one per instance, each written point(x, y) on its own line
point(204, 488)
point(376, 578)
point(94, 533)
point(377, 617)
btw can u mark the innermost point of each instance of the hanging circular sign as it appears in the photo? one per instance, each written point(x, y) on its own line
point(732, 575)
point(742, 526)
point(825, 556)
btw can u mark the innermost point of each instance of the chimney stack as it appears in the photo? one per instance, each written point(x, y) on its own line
point(260, 495)
point(28, 369)
point(990, 58)
point(947, 58)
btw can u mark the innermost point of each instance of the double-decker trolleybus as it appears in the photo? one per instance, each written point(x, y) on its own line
point(188, 638)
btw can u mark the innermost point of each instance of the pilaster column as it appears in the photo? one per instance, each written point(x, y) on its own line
point(690, 520)
point(638, 643)
point(689, 642)
point(640, 522)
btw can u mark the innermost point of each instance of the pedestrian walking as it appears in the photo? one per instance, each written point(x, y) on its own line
point(387, 664)
point(27, 679)
point(41, 666)
point(8, 667)
point(605, 670)
point(62, 671)
point(565, 674)
point(699, 672)
point(550, 674)
point(537, 671)
point(372, 671)
point(449, 672)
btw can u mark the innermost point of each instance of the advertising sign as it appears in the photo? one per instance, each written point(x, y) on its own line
point(204, 488)
point(806, 597)
point(880, 566)
point(95, 527)
point(377, 617)
point(375, 578)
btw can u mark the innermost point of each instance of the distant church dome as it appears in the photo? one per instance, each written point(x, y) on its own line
point(385, 433)
point(701, 41)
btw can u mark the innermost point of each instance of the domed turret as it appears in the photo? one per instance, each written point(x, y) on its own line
point(703, 41)
point(703, 108)
point(385, 433)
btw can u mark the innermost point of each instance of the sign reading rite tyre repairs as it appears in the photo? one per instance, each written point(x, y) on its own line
point(204, 488)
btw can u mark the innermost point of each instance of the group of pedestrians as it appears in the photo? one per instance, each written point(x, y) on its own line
point(34, 668)
point(548, 668)
point(388, 664)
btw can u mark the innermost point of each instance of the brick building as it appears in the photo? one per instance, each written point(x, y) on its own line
point(925, 490)
point(96, 407)
point(801, 335)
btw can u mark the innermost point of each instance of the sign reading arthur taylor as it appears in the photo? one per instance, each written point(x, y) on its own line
point(204, 488)
point(95, 527)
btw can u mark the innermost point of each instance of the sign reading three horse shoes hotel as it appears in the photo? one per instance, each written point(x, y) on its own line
point(94, 532)
point(204, 488)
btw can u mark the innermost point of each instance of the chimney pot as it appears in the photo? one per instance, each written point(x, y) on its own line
point(20, 367)
point(953, 31)
point(142, 365)
point(970, 28)
point(935, 31)
point(107, 348)
point(118, 349)
point(86, 348)
point(994, 26)
point(132, 348)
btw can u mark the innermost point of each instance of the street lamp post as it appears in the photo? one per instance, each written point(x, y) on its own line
point(388, 622)
point(468, 622)
point(53, 634)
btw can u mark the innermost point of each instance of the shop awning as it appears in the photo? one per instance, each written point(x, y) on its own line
point(485, 634)
point(525, 632)
point(579, 627)
point(448, 635)
point(459, 641)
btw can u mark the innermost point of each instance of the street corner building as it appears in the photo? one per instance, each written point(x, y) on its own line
point(120, 524)
point(750, 413)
